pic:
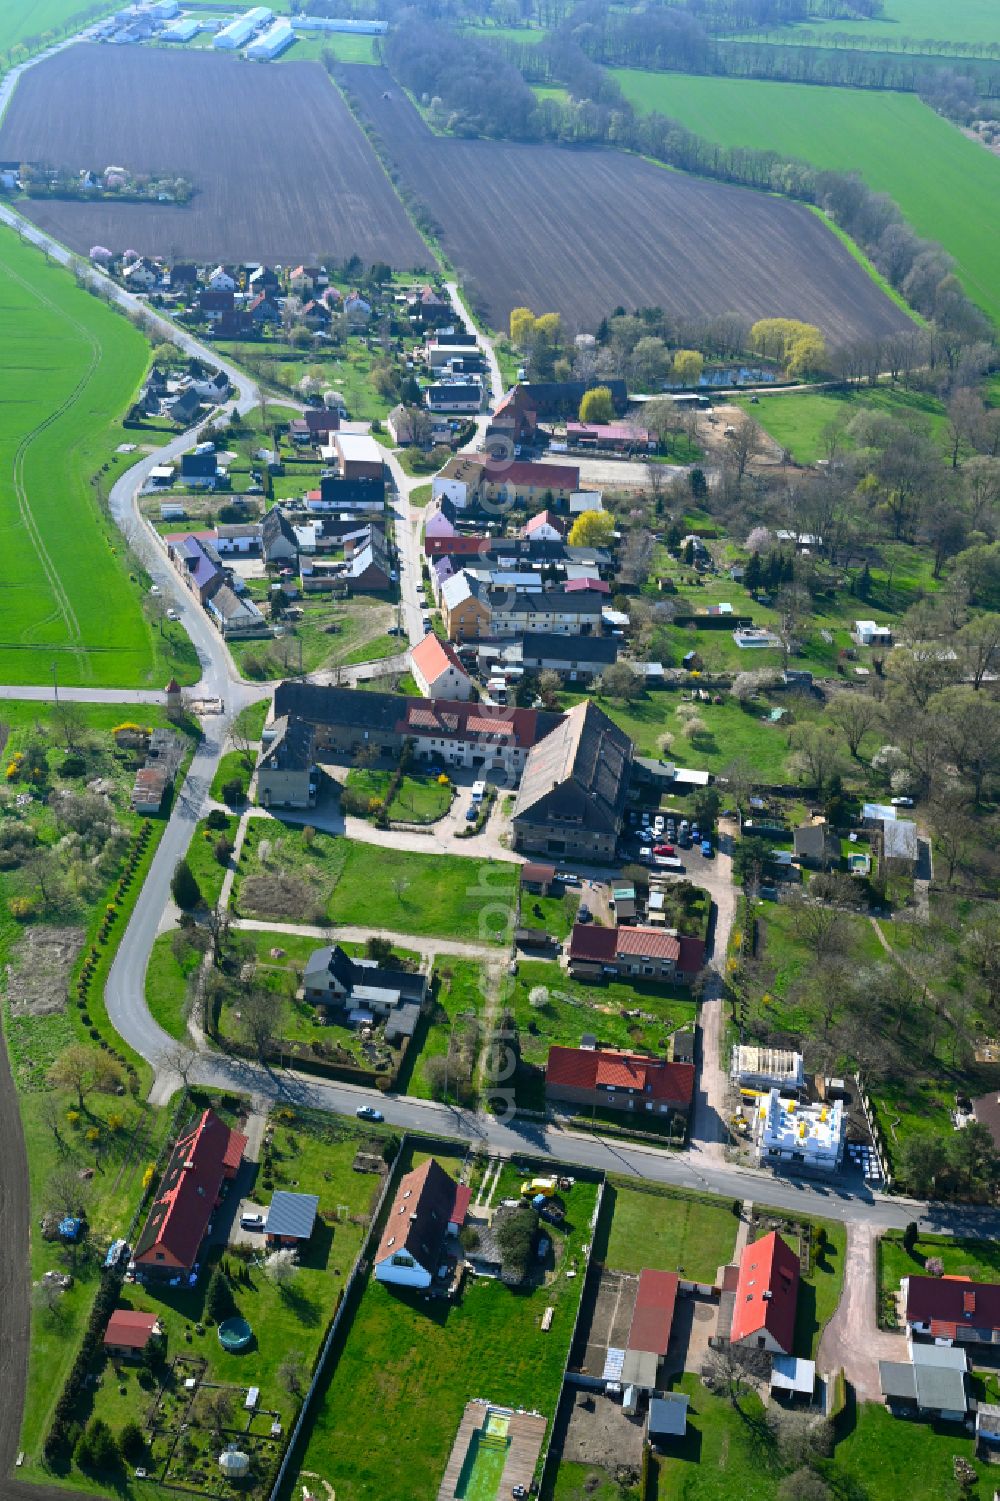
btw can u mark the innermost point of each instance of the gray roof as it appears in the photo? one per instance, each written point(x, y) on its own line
point(899, 839)
point(811, 839)
point(292, 1214)
point(581, 770)
point(576, 602)
point(601, 650)
point(340, 706)
point(668, 1415)
point(275, 525)
point(291, 748)
point(935, 1380)
point(790, 1373)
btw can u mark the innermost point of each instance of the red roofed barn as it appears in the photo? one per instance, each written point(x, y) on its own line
point(618, 1080)
point(128, 1332)
point(202, 1159)
point(653, 1314)
point(766, 1296)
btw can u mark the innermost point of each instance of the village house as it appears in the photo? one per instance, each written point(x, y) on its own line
point(612, 1079)
point(362, 992)
point(277, 538)
point(399, 425)
point(460, 480)
point(198, 564)
point(203, 1157)
point(816, 846)
point(571, 800)
point(234, 614)
point(129, 1332)
point(524, 482)
point(952, 1310)
point(429, 1207)
point(546, 526)
point(286, 774)
point(933, 1383)
point(648, 954)
point(464, 608)
point(767, 1293)
point(200, 468)
point(440, 522)
point(454, 395)
point(437, 671)
point(575, 612)
point(577, 659)
point(215, 305)
point(610, 437)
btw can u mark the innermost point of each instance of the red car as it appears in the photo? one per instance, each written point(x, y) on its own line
point(664, 849)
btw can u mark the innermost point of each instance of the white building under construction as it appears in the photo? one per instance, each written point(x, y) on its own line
point(806, 1138)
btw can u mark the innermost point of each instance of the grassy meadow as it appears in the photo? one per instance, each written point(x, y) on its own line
point(797, 420)
point(947, 187)
point(65, 595)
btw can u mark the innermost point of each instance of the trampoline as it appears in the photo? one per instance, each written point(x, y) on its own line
point(235, 1335)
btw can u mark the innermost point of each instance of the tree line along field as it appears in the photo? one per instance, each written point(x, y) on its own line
point(30, 18)
point(70, 363)
point(582, 231)
point(922, 20)
point(947, 186)
point(280, 169)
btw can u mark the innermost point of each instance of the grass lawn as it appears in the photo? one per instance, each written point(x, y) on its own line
point(330, 633)
point(665, 1228)
point(250, 721)
point(722, 1455)
point(129, 1136)
point(167, 985)
point(576, 1482)
point(418, 799)
point(879, 1451)
point(232, 768)
point(345, 47)
point(550, 914)
point(819, 1291)
point(66, 594)
point(897, 143)
point(384, 1424)
point(374, 650)
point(730, 730)
point(434, 896)
point(33, 23)
point(310, 1153)
point(787, 1003)
point(201, 857)
point(462, 988)
point(569, 1008)
point(797, 420)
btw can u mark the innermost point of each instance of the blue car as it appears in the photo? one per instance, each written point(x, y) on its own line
point(471, 814)
point(706, 848)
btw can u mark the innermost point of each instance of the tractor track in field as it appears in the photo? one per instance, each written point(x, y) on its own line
point(64, 607)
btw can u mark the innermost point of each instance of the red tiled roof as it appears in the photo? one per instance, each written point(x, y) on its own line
point(466, 547)
point(769, 1267)
point(419, 1215)
point(460, 721)
point(646, 943)
point(946, 1300)
point(591, 1068)
point(432, 657)
point(129, 1328)
point(544, 518)
point(460, 1208)
point(538, 476)
point(188, 1191)
point(591, 943)
point(653, 1314)
point(582, 586)
point(537, 872)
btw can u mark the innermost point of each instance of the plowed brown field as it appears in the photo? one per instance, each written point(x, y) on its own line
point(581, 231)
point(281, 169)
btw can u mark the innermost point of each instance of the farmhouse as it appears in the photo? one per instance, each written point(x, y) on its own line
point(364, 992)
point(618, 1080)
point(561, 398)
point(437, 671)
point(612, 437)
point(767, 1293)
point(202, 1159)
point(572, 796)
point(428, 1206)
point(233, 614)
point(577, 659)
point(522, 481)
point(449, 733)
point(285, 769)
point(653, 954)
point(129, 1332)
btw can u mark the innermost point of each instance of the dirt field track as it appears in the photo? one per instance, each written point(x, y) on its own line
point(282, 170)
point(581, 231)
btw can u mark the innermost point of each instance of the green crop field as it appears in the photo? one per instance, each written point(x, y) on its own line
point(946, 186)
point(922, 20)
point(31, 21)
point(72, 368)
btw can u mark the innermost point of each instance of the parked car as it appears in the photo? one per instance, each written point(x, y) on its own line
point(902, 802)
point(172, 615)
point(396, 630)
point(369, 1113)
point(251, 1222)
point(659, 824)
point(584, 913)
point(664, 849)
point(706, 848)
point(646, 852)
point(471, 814)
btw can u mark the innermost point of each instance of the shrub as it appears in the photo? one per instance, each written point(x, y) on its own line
point(233, 790)
point(184, 888)
point(217, 819)
point(222, 849)
point(131, 1442)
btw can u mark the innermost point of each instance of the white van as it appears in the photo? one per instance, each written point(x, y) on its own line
point(478, 791)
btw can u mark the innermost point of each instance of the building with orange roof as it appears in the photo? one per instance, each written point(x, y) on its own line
point(437, 671)
point(766, 1297)
point(202, 1159)
point(618, 1080)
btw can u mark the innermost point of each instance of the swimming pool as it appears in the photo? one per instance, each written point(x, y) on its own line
point(483, 1466)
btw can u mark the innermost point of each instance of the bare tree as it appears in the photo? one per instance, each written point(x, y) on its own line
point(181, 1061)
point(741, 446)
point(292, 1373)
point(854, 714)
point(736, 1372)
point(71, 723)
point(260, 1018)
point(281, 1267)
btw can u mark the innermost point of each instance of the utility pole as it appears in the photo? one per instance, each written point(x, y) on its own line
point(55, 683)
